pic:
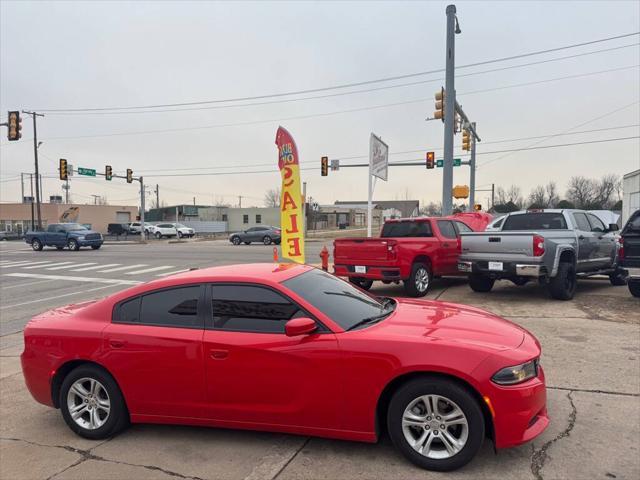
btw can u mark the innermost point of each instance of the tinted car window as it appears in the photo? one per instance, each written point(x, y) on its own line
point(251, 309)
point(633, 225)
point(176, 307)
point(130, 311)
point(336, 298)
point(535, 221)
point(447, 229)
point(406, 229)
point(582, 222)
point(596, 223)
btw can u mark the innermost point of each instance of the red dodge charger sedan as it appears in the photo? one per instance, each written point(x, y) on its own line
point(290, 348)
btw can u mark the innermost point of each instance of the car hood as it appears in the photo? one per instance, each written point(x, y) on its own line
point(443, 321)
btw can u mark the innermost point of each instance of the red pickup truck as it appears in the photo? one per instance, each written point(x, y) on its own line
point(413, 250)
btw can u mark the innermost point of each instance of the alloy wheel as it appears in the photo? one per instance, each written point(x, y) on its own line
point(435, 426)
point(422, 279)
point(88, 403)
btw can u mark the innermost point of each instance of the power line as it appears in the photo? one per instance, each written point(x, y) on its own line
point(331, 95)
point(335, 87)
point(338, 112)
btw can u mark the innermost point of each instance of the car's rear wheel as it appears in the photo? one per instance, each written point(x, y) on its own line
point(266, 240)
point(563, 285)
point(634, 287)
point(236, 240)
point(158, 235)
point(418, 283)
point(619, 277)
point(179, 234)
point(92, 404)
point(481, 283)
point(36, 245)
point(363, 283)
point(436, 423)
point(73, 245)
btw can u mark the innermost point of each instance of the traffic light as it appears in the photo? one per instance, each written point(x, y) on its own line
point(129, 175)
point(431, 160)
point(108, 172)
point(64, 173)
point(439, 113)
point(324, 166)
point(477, 207)
point(466, 140)
point(15, 125)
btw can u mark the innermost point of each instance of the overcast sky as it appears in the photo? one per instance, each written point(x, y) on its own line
point(67, 55)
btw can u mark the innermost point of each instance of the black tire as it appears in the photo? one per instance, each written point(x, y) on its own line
point(520, 281)
point(634, 287)
point(36, 245)
point(118, 417)
point(480, 283)
point(563, 285)
point(267, 240)
point(180, 235)
point(415, 284)
point(73, 245)
point(236, 240)
point(453, 392)
point(363, 283)
point(619, 277)
point(158, 235)
point(95, 247)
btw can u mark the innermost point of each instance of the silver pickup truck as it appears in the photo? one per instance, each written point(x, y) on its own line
point(553, 247)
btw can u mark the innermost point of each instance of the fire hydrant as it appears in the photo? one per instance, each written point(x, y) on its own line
point(324, 255)
point(275, 254)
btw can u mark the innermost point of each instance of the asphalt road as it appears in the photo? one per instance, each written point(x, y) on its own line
point(591, 355)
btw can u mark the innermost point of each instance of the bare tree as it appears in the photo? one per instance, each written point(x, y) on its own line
point(538, 197)
point(606, 190)
point(432, 209)
point(552, 194)
point(513, 194)
point(272, 198)
point(581, 191)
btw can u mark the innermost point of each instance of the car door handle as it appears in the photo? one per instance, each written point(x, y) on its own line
point(445, 245)
point(219, 354)
point(117, 343)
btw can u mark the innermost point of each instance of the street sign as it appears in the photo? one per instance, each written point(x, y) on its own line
point(335, 165)
point(456, 162)
point(69, 170)
point(87, 172)
point(378, 157)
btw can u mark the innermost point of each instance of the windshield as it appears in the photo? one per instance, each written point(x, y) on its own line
point(339, 300)
point(535, 221)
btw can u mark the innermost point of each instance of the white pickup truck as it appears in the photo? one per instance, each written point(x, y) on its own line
point(552, 246)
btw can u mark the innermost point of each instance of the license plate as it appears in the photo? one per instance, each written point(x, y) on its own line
point(360, 269)
point(495, 265)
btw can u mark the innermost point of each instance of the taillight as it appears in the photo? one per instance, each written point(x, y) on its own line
point(538, 246)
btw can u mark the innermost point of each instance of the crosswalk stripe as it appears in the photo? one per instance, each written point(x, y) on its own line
point(126, 267)
point(166, 274)
point(72, 266)
point(51, 265)
point(23, 263)
point(109, 281)
point(147, 270)
point(96, 267)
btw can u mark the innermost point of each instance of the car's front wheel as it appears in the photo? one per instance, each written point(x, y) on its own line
point(563, 285)
point(266, 240)
point(36, 245)
point(92, 404)
point(73, 245)
point(158, 235)
point(619, 277)
point(436, 423)
point(179, 234)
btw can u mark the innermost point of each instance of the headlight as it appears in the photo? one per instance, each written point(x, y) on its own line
point(81, 237)
point(517, 373)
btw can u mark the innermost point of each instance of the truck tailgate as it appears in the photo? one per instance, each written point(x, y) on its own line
point(353, 251)
point(498, 243)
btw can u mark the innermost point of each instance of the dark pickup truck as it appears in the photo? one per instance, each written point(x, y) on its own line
point(60, 235)
point(630, 252)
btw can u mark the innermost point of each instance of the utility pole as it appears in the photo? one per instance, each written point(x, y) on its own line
point(493, 195)
point(22, 187)
point(35, 154)
point(66, 191)
point(142, 195)
point(472, 165)
point(33, 227)
point(158, 197)
point(449, 111)
point(95, 198)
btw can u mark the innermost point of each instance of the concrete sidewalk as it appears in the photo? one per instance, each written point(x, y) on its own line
point(591, 355)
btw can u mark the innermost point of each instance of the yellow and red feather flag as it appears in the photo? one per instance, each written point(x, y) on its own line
point(291, 207)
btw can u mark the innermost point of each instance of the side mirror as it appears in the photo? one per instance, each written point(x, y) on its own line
point(300, 326)
point(613, 227)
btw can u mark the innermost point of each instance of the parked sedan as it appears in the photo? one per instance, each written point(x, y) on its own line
point(264, 234)
point(290, 348)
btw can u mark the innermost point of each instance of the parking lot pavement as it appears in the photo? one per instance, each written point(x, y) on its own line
point(591, 356)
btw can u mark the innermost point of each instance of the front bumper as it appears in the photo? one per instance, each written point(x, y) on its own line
point(90, 243)
point(509, 269)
